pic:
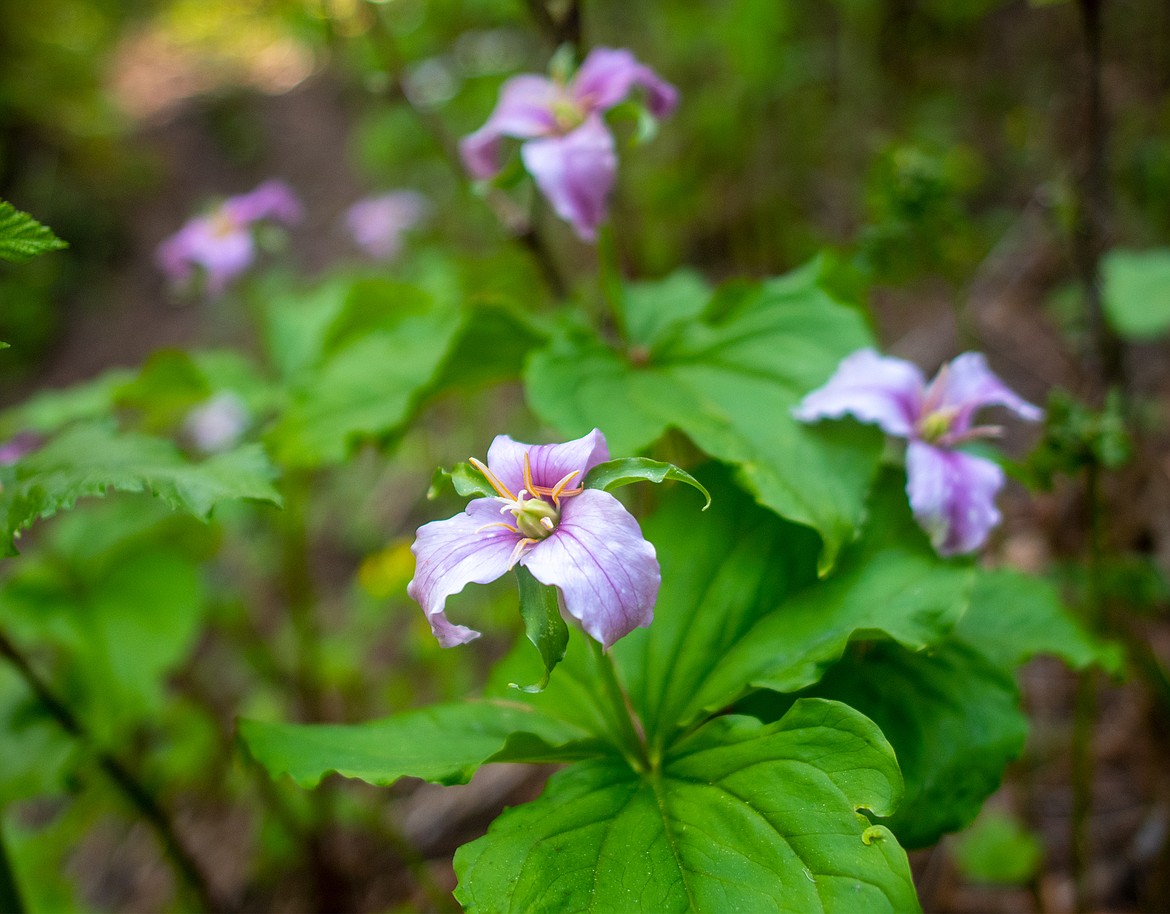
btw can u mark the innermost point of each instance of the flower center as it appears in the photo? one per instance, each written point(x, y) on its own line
point(934, 426)
point(535, 517)
point(222, 224)
point(567, 114)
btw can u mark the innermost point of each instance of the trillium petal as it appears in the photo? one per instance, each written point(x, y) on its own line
point(871, 387)
point(607, 572)
point(575, 173)
point(608, 76)
point(377, 224)
point(967, 384)
point(271, 200)
point(203, 242)
point(450, 554)
point(550, 462)
point(525, 110)
point(952, 495)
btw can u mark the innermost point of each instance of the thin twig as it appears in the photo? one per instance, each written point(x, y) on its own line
point(130, 787)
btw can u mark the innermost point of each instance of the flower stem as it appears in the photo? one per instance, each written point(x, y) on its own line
point(627, 727)
point(121, 777)
point(10, 899)
point(610, 277)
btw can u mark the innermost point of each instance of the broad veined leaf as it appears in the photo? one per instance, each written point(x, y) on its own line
point(729, 382)
point(22, 237)
point(365, 389)
point(740, 816)
point(952, 716)
point(1015, 616)
point(443, 744)
point(1136, 291)
point(91, 459)
point(51, 410)
point(624, 471)
point(741, 606)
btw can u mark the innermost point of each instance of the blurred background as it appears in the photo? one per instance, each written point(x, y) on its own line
point(942, 152)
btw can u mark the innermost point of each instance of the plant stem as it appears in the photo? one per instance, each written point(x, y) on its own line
point(566, 30)
point(130, 787)
point(10, 899)
point(1090, 231)
point(1086, 702)
point(520, 226)
point(626, 726)
point(610, 277)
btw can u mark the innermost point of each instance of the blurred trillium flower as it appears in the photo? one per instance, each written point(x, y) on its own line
point(221, 242)
point(567, 147)
point(217, 424)
point(952, 493)
point(582, 541)
point(378, 223)
point(19, 446)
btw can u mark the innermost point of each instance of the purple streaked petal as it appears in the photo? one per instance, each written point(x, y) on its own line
point(378, 223)
point(271, 200)
point(952, 495)
point(450, 554)
point(967, 384)
point(871, 387)
point(575, 173)
point(607, 572)
point(550, 462)
point(608, 76)
point(525, 110)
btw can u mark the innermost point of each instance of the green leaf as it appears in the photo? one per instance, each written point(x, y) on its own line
point(998, 850)
point(730, 382)
point(443, 744)
point(1136, 292)
point(10, 899)
point(465, 478)
point(741, 816)
point(954, 721)
point(614, 474)
point(543, 625)
point(741, 606)
point(51, 410)
point(365, 390)
point(1014, 617)
point(88, 460)
point(38, 753)
point(493, 342)
point(22, 237)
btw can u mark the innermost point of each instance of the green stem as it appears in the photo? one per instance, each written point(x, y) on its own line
point(121, 777)
point(1086, 703)
point(627, 728)
point(610, 277)
point(10, 899)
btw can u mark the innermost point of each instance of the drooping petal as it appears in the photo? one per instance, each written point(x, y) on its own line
point(607, 572)
point(450, 554)
point(550, 463)
point(967, 384)
point(952, 495)
point(575, 173)
point(525, 110)
point(271, 200)
point(871, 387)
point(608, 76)
point(378, 223)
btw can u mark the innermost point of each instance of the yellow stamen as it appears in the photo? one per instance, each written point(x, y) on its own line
point(528, 483)
point(491, 478)
point(498, 524)
point(515, 556)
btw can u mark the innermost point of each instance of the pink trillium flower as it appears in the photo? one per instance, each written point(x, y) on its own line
point(952, 493)
point(377, 224)
point(567, 147)
point(221, 242)
point(217, 424)
point(582, 541)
